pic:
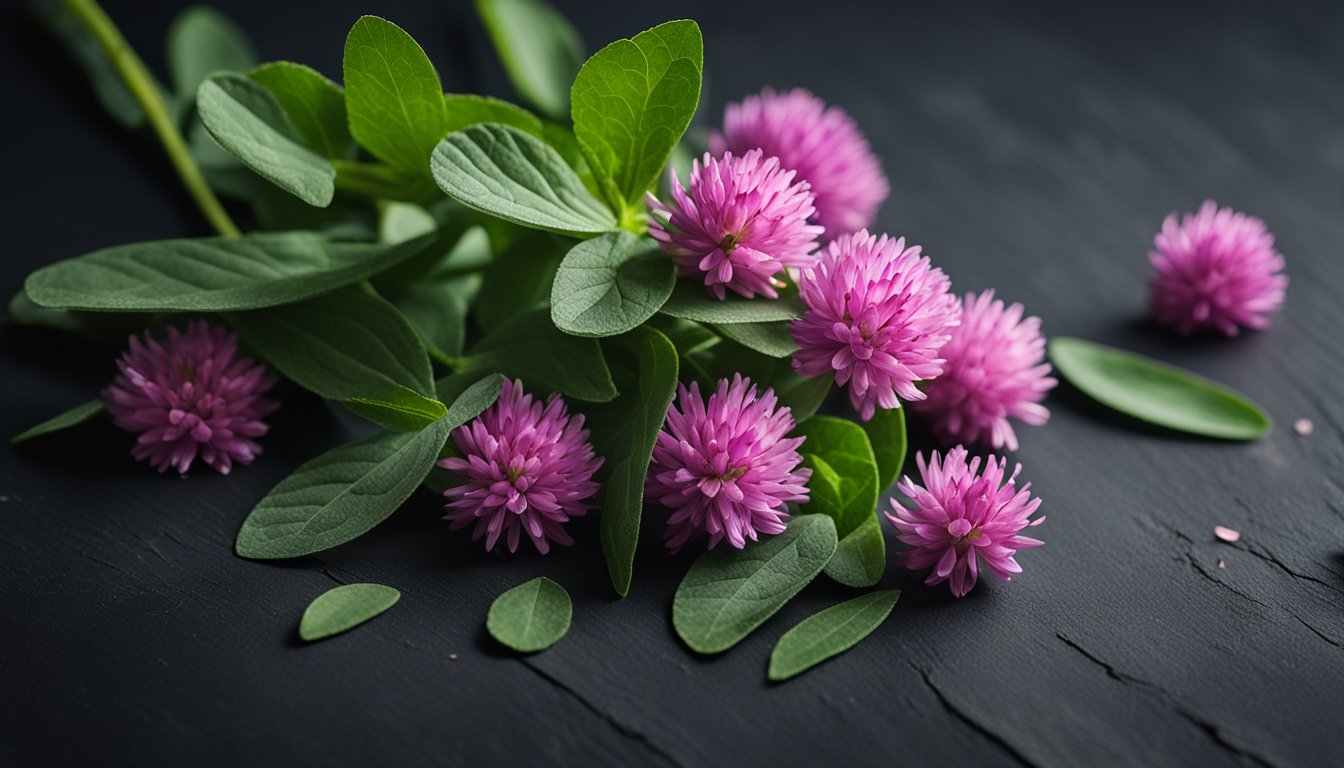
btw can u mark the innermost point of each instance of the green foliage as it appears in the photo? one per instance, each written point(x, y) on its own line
point(201, 42)
point(531, 617)
point(886, 434)
point(505, 172)
point(830, 633)
point(466, 110)
point(211, 274)
point(1157, 393)
point(248, 122)
point(73, 417)
point(771, 339)
point(392, 95)
point(540, 51)
point(340, 609)
point(631, 103)
point(610, 284)
point(844, 486)
point(314, 105)
point(690, 301)
point(727, 594)
point(530, 348)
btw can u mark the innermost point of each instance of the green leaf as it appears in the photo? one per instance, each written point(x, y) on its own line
point(349, 346)
point(502, 171)
point(625, 431)
point(392, 95)
point(314, 105)
point(771, 339)
point(343, 608)
point(727, 594)
point(436, 303)
point(689, 301)
point(844, 486)
point(211, 274)
point(531, 617)
point(631, 103)
point(860, 558)
point(469, 394)
point(201, 42)
point(528, 347)
point(341, 494)
point(610, 284)
point(886, 433)
point(803, 397)
point(466, 110)
point(540, 50)
point(77, 415)
point(108, 87)
point(1157, 393)
point(247, 121)
point(830, 633)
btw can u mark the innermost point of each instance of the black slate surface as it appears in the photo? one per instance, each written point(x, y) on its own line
point(1034, 150)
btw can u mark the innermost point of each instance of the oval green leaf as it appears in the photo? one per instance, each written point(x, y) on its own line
point(531, 617)
point(771, 339)
point(343, 608)
point(211, 274)
point(505, 172)
point(610, 284)
point(690, 301)
point(530, 348)
point(540, 50)
point(830, 633)
point(392, 95)
point(466, 110)
point(201, 42)
point(844, 485)
point(887, 435)
point(1157, 393)
point(631, 103)
point(249, 122)
point(727, 594)
point(314, 105)
point(350, 346)
point(860, 558)
point(77, 415)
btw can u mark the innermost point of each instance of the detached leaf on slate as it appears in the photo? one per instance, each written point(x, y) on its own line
point(201, 42)
point(844, 486)
point(505, 172)
point(392, 95)
point(77, 415)
point(248, 121)
point(531, 617)
point(729, 593)
point(353, 347)
point(314, 105)
point(631, 103)
point(211, 274)
point(343, 608)
point(689, 301)
point(540, 50)
point(830, 633)
point(530, 348)
point(340, 495)
point(610, 284)
point(1157, 393)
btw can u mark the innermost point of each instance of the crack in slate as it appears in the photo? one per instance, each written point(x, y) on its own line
point(970, 722)
point(617, 725)
point(1209, 728)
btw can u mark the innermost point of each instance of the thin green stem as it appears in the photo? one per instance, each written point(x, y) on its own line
point(137, 78)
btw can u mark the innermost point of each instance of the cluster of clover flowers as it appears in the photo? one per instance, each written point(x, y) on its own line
point(782, 199)
point(785, 174)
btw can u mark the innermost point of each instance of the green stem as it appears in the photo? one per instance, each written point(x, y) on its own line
point(137, 78)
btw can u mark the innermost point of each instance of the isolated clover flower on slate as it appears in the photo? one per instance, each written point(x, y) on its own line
point(740, 223)
point(877, 317)
point(994, 370)
point(961, 517)
point(822, 144)
point(1215, 269)
point(528, 467)
point(724, 467)
point(190, 395)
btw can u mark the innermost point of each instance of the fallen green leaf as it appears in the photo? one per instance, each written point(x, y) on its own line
point(830, 633)
point(531, 617)
point(342, 608)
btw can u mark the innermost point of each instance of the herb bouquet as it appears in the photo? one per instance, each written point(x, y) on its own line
point(551, 313)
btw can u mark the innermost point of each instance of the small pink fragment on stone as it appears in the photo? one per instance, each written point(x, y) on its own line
point(1303, 427)
point(1222, 563)
point(1226, 534)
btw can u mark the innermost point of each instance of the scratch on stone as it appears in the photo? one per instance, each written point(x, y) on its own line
point(1209, 728)
point(969, 721)
point(617, 725)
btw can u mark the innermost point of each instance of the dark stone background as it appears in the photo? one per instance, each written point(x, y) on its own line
point(1034, 150)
